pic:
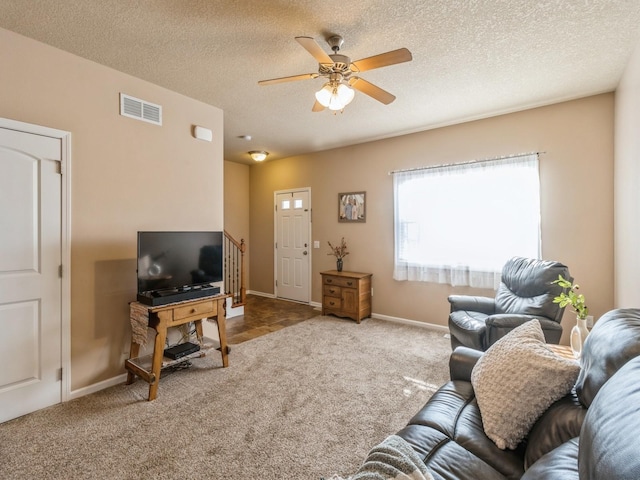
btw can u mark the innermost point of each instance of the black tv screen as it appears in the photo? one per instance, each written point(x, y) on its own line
point(174, 260)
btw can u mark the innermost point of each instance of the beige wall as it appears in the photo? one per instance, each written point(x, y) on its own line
point(236, 206)
point(127, 176)
point(577, 200)
point(627, 193)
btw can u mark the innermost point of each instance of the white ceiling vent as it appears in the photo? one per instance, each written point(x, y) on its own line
point(139, 109)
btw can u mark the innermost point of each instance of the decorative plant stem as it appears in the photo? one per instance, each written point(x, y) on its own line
point(570, 297)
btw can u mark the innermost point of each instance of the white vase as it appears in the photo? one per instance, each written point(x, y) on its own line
point(579, 334)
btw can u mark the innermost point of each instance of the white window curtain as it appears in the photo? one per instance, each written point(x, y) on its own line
point(458, 224)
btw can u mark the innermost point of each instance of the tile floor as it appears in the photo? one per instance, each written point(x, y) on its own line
point(263, 315)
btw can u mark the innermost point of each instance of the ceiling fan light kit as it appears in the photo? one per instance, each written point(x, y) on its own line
point(335, 95)
point(338, 92)
point(258, 155)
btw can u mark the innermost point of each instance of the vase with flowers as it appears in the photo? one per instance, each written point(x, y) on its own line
point(570, 296)
point(339, 251)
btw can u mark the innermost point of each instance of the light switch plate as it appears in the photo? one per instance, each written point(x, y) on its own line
point(316, 244)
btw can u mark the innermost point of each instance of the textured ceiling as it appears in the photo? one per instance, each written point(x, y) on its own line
point(471, 59)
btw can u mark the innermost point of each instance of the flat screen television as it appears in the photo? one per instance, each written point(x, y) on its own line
point(178, 261)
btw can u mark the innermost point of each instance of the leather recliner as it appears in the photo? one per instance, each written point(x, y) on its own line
point(526, 292)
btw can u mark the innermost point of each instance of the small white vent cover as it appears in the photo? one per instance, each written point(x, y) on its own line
point(140, 110)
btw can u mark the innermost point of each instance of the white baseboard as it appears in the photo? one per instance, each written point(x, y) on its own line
point(261, 294)
point(233, 311)
point(96, 387)
point(415, 323)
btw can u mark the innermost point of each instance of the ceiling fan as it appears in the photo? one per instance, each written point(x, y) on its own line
point(340, 72)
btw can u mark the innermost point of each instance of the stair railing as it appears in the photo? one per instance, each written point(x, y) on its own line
point(234, 281)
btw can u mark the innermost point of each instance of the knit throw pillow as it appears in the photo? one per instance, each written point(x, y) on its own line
point(516, 380)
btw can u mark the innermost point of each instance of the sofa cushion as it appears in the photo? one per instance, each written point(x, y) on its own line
point(516, 380)
point(560, 423)
point(559, 464)
point(452, 416)
point(600, 360)
point(609, 446)
point(447, 459)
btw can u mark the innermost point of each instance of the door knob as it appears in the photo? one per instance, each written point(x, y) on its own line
point(304, 253)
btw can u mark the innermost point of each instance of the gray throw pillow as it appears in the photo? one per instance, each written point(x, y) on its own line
point(516, 380)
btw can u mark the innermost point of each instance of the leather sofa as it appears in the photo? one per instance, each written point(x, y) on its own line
point(526, 291)
point(591, 433)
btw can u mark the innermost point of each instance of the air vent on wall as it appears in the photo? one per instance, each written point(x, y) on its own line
point(139, 109)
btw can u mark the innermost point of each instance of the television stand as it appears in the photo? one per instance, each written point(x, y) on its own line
point(160, 318)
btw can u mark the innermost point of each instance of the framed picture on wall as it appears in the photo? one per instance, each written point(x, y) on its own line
point(352, 207)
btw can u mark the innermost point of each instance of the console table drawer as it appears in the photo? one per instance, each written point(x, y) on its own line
point(203, 309)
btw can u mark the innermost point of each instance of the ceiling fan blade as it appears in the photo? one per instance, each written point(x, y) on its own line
point(390, 58)
point(317, 107)
point(311, 46)
point(293, 78)
point(370, 89)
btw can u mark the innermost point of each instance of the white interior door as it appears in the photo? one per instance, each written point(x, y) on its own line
point(30, 283)
point(293, 251)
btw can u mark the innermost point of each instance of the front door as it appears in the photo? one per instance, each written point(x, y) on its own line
point(30, 283)
point(293, 251)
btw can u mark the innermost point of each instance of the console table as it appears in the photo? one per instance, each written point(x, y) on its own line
point(346, 294)
point(160, 318)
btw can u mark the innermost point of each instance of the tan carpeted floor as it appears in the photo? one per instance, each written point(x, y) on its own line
point(300, 403)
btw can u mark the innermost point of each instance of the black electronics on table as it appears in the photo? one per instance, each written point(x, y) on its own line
point(181, 350)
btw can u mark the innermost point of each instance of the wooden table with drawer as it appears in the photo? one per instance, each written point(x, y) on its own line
point(160, 318)
point(346, 294)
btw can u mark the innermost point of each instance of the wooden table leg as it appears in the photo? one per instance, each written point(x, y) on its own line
point(199, 332)
point(134, 351)
point(222, 333)
point(158, 354)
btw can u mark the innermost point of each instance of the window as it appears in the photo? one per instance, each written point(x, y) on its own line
point(459, 224)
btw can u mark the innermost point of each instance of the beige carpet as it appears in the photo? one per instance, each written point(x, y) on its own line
point(304, 402)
